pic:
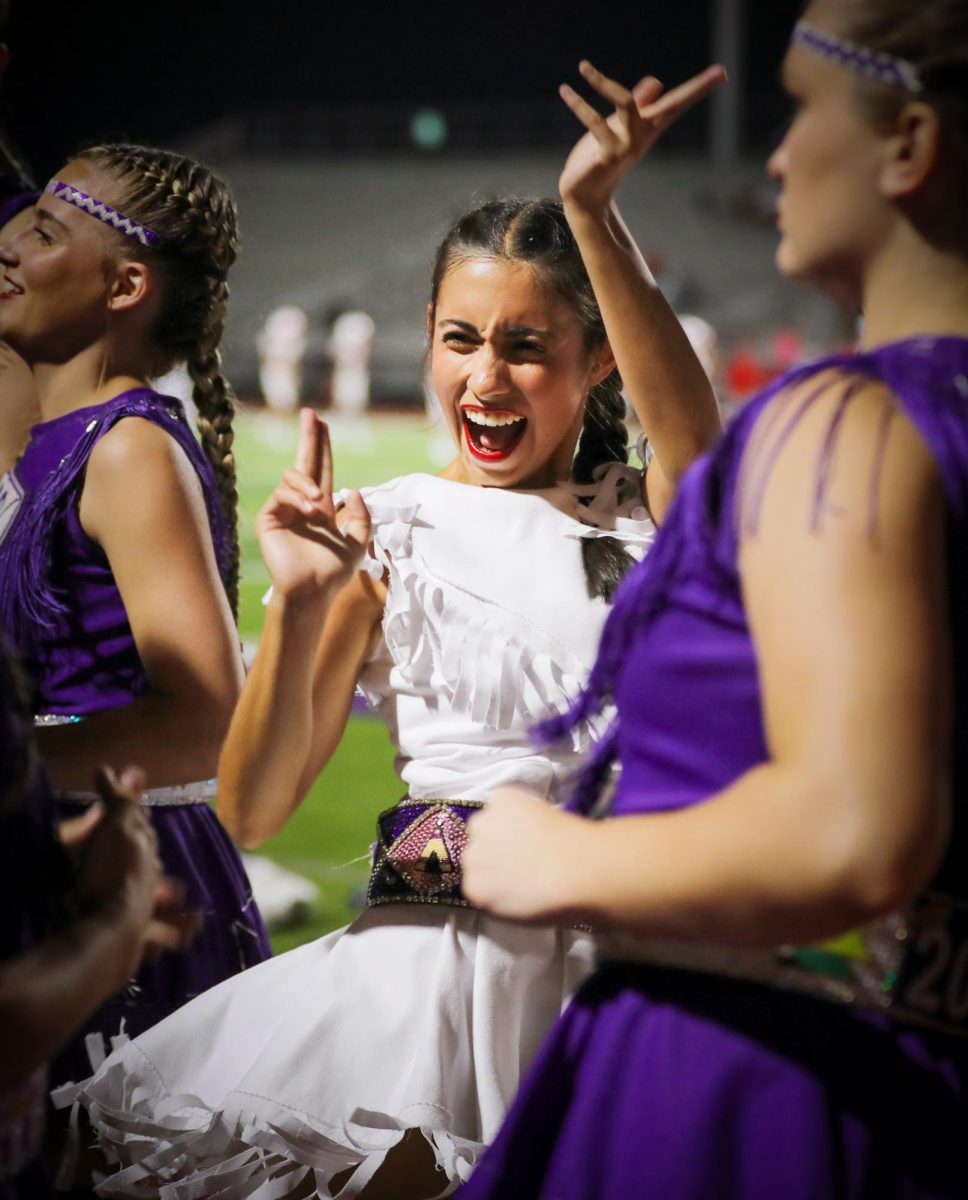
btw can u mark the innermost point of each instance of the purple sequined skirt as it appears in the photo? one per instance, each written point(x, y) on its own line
point(660, 1084)
point(195, 849)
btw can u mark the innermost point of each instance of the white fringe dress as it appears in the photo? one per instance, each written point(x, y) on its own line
point(415, 1015)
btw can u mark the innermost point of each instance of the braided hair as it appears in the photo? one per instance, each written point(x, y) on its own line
point(193, 212)
point(932, 35)
point(536, 232)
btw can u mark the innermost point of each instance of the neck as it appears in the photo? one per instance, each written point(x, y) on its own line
point(913, 290)
point(79, 383)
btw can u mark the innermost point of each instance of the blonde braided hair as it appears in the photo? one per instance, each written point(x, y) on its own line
point(194, 214)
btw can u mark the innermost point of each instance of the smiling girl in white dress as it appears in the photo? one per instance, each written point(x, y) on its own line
point(380, 1059)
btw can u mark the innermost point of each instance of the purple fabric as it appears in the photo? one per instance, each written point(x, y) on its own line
point(678, 1086)
point(59, 597)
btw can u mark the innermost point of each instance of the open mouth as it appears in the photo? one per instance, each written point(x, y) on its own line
point(10, 290)
point(492, 434)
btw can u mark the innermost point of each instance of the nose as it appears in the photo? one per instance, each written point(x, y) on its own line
point(776, 164)
point(489, 378)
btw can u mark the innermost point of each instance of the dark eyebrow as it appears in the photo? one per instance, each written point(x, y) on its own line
point(527, 331)
point(41, 214)
point(512, 331)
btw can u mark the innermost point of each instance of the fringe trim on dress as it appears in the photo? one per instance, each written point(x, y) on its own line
point(252, 1148)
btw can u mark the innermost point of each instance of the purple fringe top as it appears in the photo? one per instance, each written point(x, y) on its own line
point(58, 599)
point(929, 377)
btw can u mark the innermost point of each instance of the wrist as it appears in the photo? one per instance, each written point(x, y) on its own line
point(306, 605)
point(569, 883)
point(587, 211)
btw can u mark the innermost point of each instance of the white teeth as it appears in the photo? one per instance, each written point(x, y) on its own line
point(492, 419)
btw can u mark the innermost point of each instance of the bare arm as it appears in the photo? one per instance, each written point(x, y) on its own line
point(320, 626)
point(663, 378)
point(849, 816)
point(47, 993)
point(143, 503)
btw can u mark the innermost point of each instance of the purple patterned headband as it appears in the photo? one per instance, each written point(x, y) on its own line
point(884, 68)
point(103, 212)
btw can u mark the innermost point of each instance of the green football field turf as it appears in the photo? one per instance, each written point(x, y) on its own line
point(328, 838)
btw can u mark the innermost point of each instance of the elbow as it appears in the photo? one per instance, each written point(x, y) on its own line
point(248, 822)
point(245, 833)
point(245, 837)
point(880, 872)
point(243, 827)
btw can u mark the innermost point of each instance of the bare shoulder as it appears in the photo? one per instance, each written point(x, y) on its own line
point(138, 469)
point(137, 451)
point(835, 452)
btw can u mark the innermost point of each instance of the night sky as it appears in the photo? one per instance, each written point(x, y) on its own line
point(149, 72)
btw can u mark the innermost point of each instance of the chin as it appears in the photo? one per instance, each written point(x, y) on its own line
point(833, 282)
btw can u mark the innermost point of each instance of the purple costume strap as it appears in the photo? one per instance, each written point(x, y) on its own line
point(27, 598)
point(734, 486)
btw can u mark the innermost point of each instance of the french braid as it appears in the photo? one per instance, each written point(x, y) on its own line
point(933, 36)
point(536, 232)
point(604, 439)
point(193, 212)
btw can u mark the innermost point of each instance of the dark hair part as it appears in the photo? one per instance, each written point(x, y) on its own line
point(933, 35)
point(536, 232)
point(193, 212)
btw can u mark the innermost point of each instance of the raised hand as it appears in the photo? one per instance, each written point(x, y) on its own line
point(308, 547)
point(613, 145)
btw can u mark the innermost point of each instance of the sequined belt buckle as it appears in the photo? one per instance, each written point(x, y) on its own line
point(417, 855)
point(911, 965)
point(932, 980)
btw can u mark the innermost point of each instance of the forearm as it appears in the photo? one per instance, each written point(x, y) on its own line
point(48, 993)
point(777, 857)
point(174, 738)
point(269, 742)
point(665, 382)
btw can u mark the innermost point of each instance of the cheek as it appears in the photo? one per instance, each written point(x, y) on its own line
point(558, 404)
point(445, 381)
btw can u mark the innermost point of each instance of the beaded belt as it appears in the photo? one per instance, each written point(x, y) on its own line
point(912, 966)
point(416, 857)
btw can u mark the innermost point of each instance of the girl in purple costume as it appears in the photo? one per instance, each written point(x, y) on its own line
point(118, 558)
point(796, 767)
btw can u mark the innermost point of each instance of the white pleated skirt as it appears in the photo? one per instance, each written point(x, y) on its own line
point(319, 1060)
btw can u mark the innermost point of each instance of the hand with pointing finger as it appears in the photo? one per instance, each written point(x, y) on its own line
point(309, 547)
point(613, 145)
